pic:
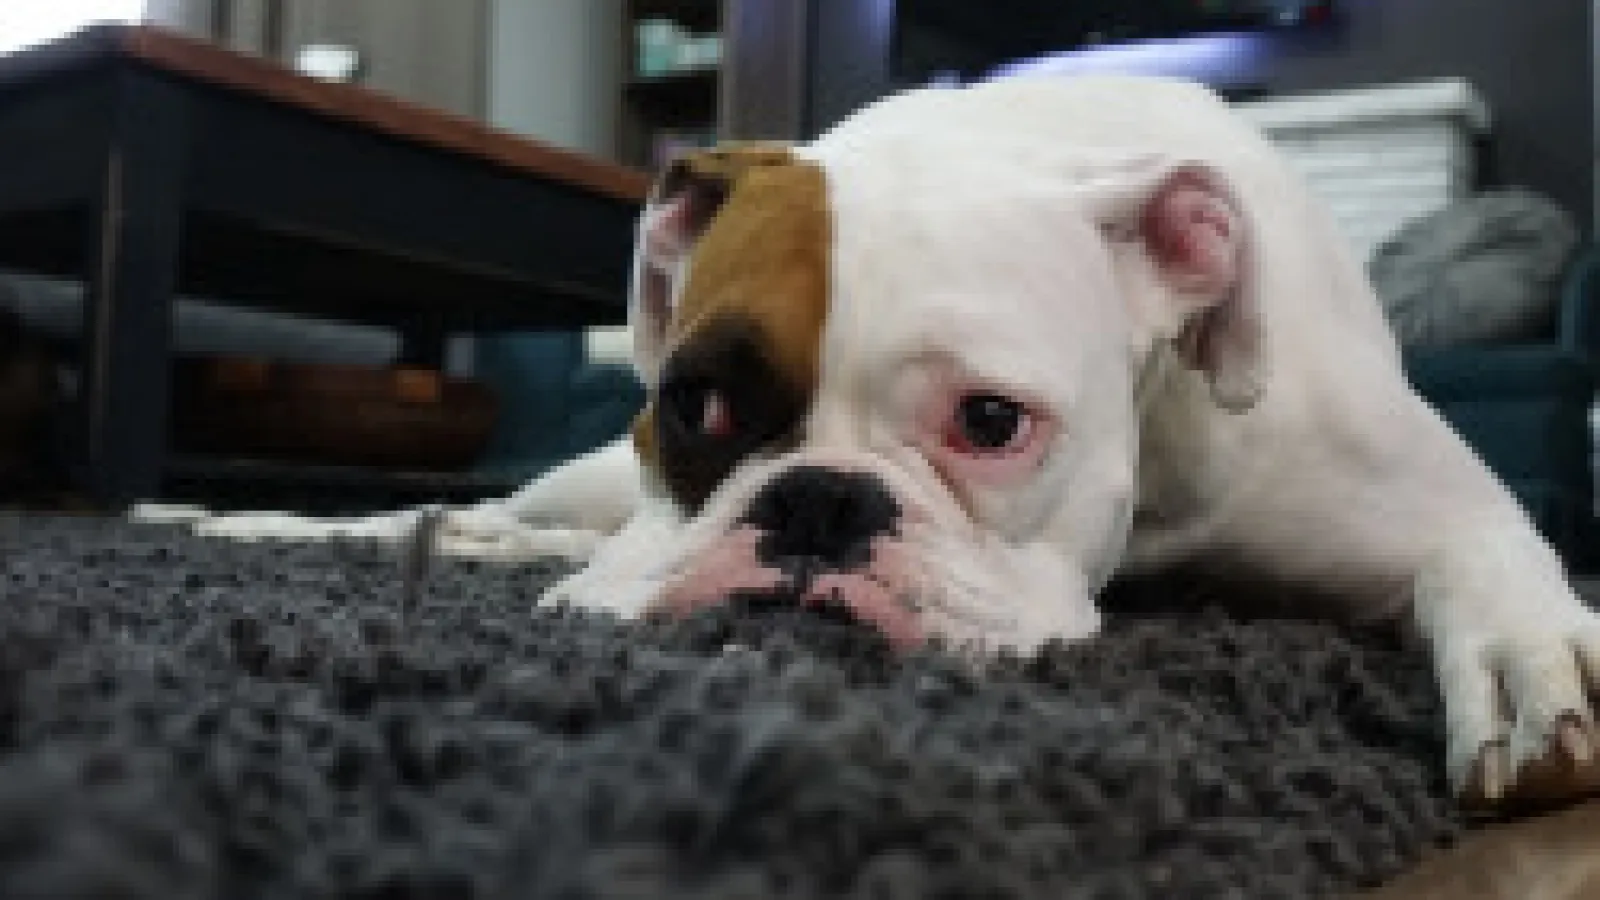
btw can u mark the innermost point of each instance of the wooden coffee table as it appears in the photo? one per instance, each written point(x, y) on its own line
point(150, 165)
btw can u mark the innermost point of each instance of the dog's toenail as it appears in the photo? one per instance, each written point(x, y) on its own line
point(1492, 768)
point(1572, 735)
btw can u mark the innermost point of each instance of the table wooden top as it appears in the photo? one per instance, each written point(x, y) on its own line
point(204, 62)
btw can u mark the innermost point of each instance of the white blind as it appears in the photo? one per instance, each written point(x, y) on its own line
point(24, 23)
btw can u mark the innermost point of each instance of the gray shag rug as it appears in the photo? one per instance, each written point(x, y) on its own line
point(183, 718)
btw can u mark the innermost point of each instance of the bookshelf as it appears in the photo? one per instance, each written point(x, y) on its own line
point(672, 80)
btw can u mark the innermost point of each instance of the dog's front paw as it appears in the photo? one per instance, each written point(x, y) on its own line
point(590, 589)
point(1519, 705)
point(626, 570)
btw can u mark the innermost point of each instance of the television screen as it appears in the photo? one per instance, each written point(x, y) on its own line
point(969, 37)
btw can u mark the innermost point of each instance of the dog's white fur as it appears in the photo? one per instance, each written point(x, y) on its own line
point(990, 228)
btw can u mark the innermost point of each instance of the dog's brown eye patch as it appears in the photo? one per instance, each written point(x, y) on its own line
point(719, 400)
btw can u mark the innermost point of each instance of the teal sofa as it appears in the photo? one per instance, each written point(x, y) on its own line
point(1525, 409)
point(555, 403)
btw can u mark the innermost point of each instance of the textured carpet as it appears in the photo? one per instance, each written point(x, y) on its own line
point(182, 718)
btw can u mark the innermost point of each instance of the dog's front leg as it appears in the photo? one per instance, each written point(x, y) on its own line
point(568, 511)
point(627, 569)
point(1517, 653)
point(597, 491)
point(564, 512)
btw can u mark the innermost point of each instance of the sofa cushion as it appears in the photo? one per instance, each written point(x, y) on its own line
point(1510, 372)
point(1565, 520)
point(1544, 439)
point(605, 399)
point(1482, 269)
point(554, 403)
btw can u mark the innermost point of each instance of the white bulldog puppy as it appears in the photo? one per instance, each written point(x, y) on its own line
point(958, 361)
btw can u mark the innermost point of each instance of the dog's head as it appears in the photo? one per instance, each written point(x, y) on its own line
point(905, 383)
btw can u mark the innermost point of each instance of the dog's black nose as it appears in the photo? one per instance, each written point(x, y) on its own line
point(817, 515)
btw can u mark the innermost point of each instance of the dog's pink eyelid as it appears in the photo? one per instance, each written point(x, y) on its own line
point(963, 465)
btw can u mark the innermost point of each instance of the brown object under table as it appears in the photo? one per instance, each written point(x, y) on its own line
point(150, 165)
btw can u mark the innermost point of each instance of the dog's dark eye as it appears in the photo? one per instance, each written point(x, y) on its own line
point(699, 408)
point(989, 422)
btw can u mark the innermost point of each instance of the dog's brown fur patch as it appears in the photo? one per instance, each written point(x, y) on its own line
point(762, 260)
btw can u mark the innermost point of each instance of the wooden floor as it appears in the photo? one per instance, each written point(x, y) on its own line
point(1551, 857)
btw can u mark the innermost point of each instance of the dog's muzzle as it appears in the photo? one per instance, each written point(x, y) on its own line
point(828, 537)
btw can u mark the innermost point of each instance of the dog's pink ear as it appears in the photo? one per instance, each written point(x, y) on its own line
point(1197, 237)
point(682, 205)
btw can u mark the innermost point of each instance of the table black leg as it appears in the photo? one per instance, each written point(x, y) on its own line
point(132, 259)
point(424, 345)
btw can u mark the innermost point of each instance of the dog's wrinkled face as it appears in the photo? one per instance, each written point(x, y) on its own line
point(912, 400)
